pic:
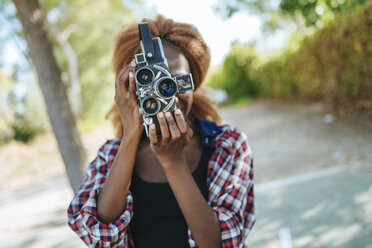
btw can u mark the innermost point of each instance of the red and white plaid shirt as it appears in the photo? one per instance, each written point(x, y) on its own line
point(230, 192)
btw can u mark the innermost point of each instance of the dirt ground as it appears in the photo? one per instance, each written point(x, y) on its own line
point(289, 139)
point(286, 138)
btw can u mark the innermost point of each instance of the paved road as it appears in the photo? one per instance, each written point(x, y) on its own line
point(313, 183)
point(326, 208)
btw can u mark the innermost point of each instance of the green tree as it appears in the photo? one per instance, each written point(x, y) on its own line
point(54, 92)
point(6, 110)
point(33, 120)
point(89, 29)
point(332, 65)
point(236, 75)
point(318, 12)
point(276, 13)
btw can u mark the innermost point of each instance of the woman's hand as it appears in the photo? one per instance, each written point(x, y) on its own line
point(175, 135)
point(127, 103)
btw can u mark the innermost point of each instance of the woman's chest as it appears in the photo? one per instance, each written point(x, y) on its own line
point(149, 169)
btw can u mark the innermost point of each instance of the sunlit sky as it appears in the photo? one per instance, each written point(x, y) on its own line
point(218, 33)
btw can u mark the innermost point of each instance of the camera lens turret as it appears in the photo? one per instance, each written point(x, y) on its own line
point(144, 76)
point(166, 87)
point(150, 105)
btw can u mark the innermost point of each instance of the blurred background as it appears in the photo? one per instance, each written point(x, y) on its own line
point(296, 76)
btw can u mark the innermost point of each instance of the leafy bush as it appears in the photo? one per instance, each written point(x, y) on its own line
point(333, 65)
point(32, 120)
point(237, 74)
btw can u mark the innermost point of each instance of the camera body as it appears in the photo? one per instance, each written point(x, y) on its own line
point(156, 89)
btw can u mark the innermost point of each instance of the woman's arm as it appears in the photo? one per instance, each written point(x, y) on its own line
point(113, 196)
point(200, 217)
point(82, 212)
point(102, 208)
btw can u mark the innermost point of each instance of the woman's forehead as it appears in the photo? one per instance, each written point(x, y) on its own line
point(177, 62)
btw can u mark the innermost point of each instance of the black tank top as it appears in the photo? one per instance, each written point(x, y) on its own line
point(157, 218)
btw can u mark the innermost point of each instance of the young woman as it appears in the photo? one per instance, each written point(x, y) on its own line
point(192, 186)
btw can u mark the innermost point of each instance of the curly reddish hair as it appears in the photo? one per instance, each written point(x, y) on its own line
point(186, 38)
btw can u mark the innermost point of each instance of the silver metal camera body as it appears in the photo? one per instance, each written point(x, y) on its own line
point(156, 88)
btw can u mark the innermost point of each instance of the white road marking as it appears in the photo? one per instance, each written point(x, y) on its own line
point(298, 179)
point(285, 237)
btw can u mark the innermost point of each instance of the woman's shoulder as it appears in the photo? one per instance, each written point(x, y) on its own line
point(105, 156)
point(111, 143)
point(228, 129)
point(109, 148)
point(231, 136)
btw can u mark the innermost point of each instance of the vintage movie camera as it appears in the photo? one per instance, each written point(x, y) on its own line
point(156, 88)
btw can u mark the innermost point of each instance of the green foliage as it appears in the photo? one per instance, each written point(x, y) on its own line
point(275, 79)
point(245, 75)
point(21, 121)
point(333, 65)
point(33, 119)
point(311, 14)
point(318, 12)
point(23, 132)
point(236, 76)
point(227, 8)
point(6, 117)
point(91, 28)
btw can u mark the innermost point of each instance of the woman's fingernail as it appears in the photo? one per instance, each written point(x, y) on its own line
point(178, 111)
point(167, 114)
point(161, 115)
point(152, 126)
point(133, 63)
point(130, 74)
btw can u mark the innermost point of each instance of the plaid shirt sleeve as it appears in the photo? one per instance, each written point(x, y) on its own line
point(82, 212)
point(230, 184)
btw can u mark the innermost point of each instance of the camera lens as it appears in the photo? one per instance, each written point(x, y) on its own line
point(150, 105)
point(167, 87)
point(144, 76)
